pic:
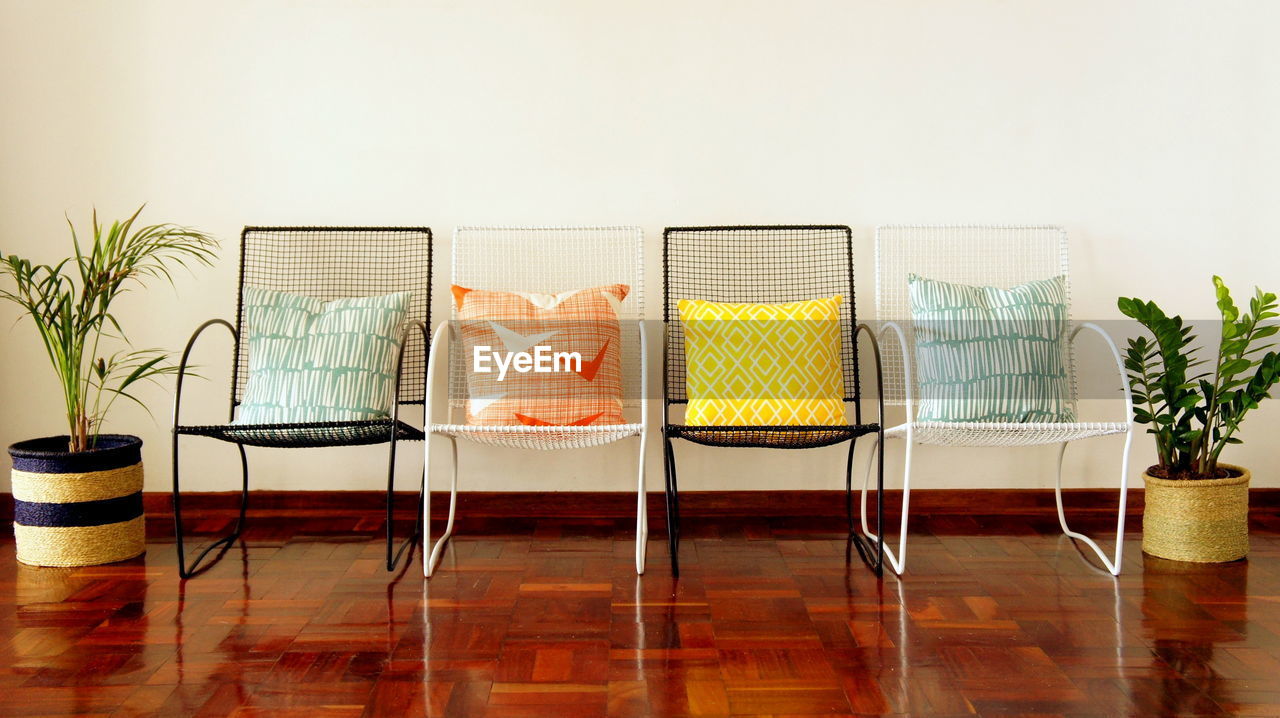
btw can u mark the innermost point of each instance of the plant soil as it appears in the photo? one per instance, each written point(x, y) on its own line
point(1162, 472)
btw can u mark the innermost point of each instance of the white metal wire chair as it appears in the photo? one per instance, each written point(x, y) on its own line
point(543, 259)
point(1000, 256)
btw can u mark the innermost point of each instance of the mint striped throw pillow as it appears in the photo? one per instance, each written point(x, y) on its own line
point(315, 361)
point(989, 354)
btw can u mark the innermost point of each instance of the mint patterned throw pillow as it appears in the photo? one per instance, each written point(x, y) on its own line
point(989, 354)
point(315, 361)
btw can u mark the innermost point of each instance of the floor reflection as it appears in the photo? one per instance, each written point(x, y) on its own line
point(218, 664)
point(1191, 614)
point(1147, 644)
point(549, 618)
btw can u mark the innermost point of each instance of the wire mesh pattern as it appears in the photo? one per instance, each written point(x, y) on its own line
point(324, 263)
point(1002, 257)
point(545, 260)
point(307, 435)
point(759, 264)
point(1001, 433)
point(769, 437)
point(541, 437)
point(998, 256)
point(550, 260)
point(329, 263)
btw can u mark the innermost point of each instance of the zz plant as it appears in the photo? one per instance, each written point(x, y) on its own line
point(70, 303)
point(1195, 409)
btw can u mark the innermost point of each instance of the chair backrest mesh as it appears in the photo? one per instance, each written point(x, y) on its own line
point(1001, 256)
point(552, 260)
point(759, 264)
point(329, 263)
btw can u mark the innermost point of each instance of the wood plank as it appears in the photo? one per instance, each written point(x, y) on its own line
point(545, 616)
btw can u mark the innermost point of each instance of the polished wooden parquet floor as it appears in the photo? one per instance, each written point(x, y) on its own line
point(998, 616)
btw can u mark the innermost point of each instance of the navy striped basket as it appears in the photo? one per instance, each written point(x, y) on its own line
point(78, 509)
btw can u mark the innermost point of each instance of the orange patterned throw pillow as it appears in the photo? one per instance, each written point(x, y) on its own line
point(541, 359)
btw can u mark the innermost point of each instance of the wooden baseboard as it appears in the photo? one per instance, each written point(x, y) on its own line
point(610, 504)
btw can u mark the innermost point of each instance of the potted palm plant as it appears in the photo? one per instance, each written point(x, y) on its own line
point(78, 497)
point(1197, 506)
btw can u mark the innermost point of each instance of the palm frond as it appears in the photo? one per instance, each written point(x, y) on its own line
point(70, 304)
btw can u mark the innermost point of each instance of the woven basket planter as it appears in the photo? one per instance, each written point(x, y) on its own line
point(78, 509)
point(1200, 521)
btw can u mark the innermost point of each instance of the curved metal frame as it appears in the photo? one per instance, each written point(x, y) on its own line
point(898, 560)
point(671, 486)
point(184, 570)
point(394, 554)
point(433, 552)
point(440, 352)
point(1112, 566)
point(854, 539)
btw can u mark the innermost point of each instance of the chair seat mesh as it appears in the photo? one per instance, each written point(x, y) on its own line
point(770, 437)
point(941, 433)
point(540, 437)
point(307, 435)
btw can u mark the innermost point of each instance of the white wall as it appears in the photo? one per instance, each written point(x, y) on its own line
point(1148, 129)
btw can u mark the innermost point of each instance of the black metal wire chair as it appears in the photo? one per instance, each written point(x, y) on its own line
point(764, 264)
point(326, 263)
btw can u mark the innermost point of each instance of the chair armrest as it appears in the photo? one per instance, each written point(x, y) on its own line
point(909, 402)
point(875, 352)
point(182, 365)
point(666, 403)
point(404, 342)
point(644, 373)
point(1115, 354)
point(437, 352)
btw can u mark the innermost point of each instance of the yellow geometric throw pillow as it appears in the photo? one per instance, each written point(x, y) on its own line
point(763, 364)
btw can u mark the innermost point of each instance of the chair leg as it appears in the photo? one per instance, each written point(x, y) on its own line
point(642, 508)
point(897, 561)
point(394, 553)
point(1112, 565)
point(432, 557)
point(185, 571)
point(876, 560)
point(848, 489)
point(880, 506)
point(672, 492)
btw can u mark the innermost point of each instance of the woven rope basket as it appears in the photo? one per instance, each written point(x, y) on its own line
point(1200, 521)
point(78, 509)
